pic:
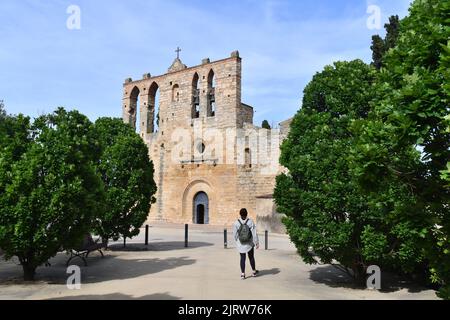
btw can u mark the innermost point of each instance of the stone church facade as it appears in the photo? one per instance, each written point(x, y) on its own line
point(210, 159)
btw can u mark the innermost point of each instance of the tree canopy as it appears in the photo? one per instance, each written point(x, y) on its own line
point(127, 174)
point(50, 191)
point(368, 155)
point(405, 142)
point(381, 46)
point(326, 215)
point(265, 125)
point(2, 110)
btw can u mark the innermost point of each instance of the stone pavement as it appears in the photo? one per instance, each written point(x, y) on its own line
point(204, 270)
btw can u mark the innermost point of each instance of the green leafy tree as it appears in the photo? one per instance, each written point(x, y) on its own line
point(14, 141)
point(392, 31)
point(405, 142)
point(378, 51)
point(445, 174)
point(14, 137)
point(326, 215)
point(265, 125)
point(49, 190)
point(380, 46)
point(127, 173)
point(444, 237)
point(2, 110)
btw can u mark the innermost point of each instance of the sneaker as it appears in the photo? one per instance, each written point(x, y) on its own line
point(242, 276)
point(255, 273)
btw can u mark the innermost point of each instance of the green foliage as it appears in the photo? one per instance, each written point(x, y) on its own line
point(127, 174)
point(405, 143)
point(381, 46)
point(378, 51)
point(445, 174)
point(326, 214)
point(14, 137)
point(265, 125)
point(2, 110)
point(373, 243)
point(50, 192)
point(392, 31)
point(61, 177)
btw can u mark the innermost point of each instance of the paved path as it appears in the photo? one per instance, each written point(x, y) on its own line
point(205, 270)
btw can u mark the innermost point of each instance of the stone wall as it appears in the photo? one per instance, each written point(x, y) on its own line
point(268, 218)
point(181, 169)
point(245, 115)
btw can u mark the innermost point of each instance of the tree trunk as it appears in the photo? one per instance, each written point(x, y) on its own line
point(105, 242)
point(28, 272)
point(359, 274)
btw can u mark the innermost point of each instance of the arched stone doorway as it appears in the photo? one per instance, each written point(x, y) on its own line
point(192, 190)
point(201, 208)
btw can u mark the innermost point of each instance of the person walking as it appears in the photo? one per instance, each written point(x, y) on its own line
point(246, 238)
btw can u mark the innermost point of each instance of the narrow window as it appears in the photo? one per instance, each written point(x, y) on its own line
point(211, 112)
point(175, 93)
point(197, 111)
point(134, 109)
point(213, 109)
point(195, 97)
point(248, 157)
point(153, 109)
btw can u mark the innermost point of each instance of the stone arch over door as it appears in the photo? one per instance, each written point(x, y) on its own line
point(193, 189)
point(200, 210)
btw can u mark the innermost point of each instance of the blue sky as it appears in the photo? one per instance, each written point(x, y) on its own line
point(44, 65)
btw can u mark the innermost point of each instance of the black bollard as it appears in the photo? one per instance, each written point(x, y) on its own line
point(225, 242)
point(266, 239)
point(186, 235)
point(146, 234)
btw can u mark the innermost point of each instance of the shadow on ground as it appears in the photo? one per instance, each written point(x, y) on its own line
point(158, 246)
point(268, 272)
point(119, 296)
point(177, 245)
point(335, 278)
point(130, 247)
point(109, 268)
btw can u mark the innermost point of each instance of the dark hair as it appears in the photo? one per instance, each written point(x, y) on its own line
point(243, 212)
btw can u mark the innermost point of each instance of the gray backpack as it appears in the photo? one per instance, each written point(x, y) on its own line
point(244, 232)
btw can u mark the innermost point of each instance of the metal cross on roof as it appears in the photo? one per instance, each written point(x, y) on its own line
point(178, 52)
